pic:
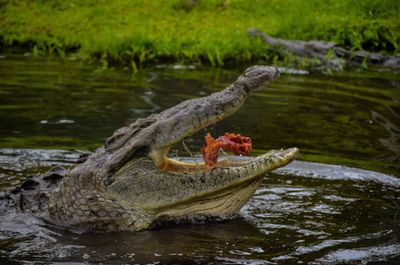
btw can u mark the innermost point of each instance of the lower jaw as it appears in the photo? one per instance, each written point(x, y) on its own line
point(223, 202)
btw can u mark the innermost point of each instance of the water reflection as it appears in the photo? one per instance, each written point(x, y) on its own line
point(151, 106)
point(393, 141)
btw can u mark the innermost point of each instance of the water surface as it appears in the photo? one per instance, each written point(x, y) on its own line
point(340, 204)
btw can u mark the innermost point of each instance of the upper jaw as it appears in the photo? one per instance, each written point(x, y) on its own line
point(190, 116)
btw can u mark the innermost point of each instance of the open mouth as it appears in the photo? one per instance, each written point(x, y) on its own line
point(243, 165)
point(163, 185)
point(190, 116)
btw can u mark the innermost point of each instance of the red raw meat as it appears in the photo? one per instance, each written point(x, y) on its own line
point(237, 144)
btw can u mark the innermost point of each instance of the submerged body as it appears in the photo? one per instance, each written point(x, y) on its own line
point(130, 183)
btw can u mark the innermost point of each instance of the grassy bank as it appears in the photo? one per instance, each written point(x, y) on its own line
point(136, 32)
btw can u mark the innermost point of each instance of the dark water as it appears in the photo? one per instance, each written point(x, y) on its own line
point(339, 205)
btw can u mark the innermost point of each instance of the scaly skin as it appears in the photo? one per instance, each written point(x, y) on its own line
point(130, 183)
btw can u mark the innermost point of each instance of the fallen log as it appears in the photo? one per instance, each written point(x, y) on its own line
point(329, 54)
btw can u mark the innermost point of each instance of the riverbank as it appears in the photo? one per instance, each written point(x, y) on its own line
point(209, 32)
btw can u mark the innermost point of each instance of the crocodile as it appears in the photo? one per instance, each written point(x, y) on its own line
point(131, 184)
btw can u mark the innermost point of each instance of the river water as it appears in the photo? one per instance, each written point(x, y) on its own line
point(338, 204)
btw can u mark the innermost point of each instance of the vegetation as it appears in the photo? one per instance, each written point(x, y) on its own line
point(208, 31)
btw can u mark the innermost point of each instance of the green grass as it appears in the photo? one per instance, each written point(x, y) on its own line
point(136, 32)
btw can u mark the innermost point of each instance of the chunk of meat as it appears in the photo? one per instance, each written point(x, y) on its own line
point(237, 144)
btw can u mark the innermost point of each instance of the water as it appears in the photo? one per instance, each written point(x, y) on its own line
point(339, 205)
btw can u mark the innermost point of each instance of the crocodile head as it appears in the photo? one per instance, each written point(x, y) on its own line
point(137, 174)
